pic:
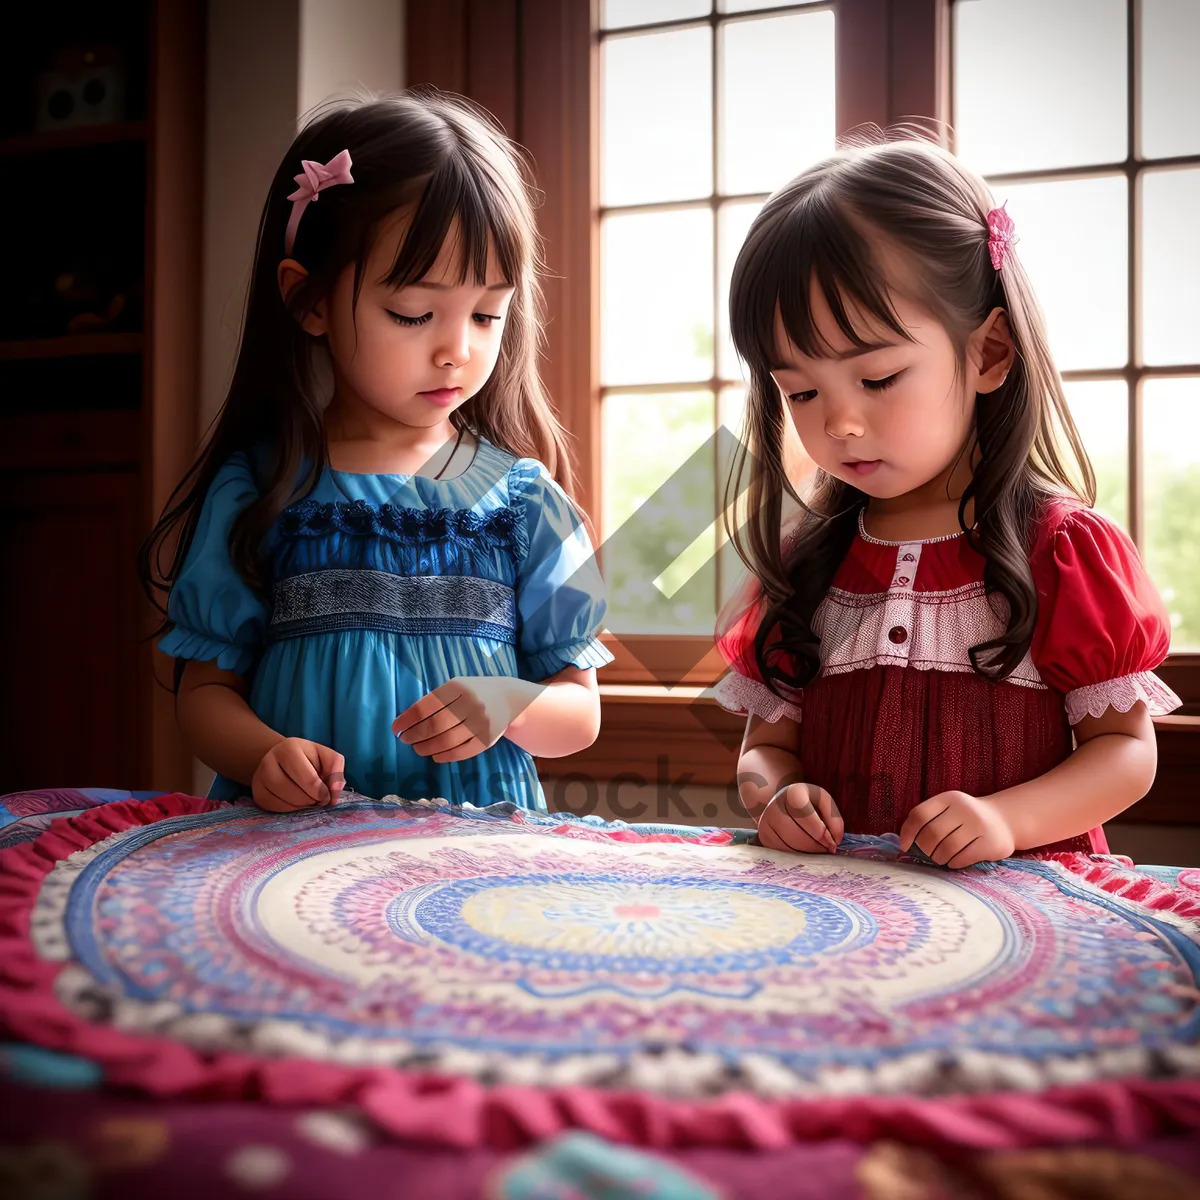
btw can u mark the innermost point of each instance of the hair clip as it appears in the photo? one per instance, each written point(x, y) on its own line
point(314, 179)
point(1001, 235)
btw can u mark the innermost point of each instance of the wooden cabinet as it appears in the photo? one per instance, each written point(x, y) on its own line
point(99, 366)
point(70, 688)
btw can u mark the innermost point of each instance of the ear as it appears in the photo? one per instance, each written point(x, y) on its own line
point(991, 351)
point(290, 275)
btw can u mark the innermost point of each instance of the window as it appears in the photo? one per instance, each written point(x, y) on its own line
point(1098, 157)
point(704, 110)
point(544, 67)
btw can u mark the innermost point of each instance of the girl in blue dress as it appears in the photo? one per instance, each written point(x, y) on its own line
point(379, 580)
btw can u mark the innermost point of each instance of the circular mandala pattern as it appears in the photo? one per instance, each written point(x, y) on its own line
point(587, 922)
point(511, 936)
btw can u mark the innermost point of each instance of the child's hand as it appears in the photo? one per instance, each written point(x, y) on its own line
point(957, 830)
point(463, 717)
point(296, 773)
point(801, 817)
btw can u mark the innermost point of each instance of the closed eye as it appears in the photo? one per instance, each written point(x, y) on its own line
point(486, 320)
point(881, 385)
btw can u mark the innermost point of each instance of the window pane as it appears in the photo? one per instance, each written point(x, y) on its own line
point(616, 13)
point(1073, 240)
point(1170, 82)
point(657, 117)
point(733, 224)
point(777, 99)
point(1171, 266)
point(656, 311)
point(1101, 412)
point(733, 6)
point(1171, 425)
point(659, 544)
point(1040, 83)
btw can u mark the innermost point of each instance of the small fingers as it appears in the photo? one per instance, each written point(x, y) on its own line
point(304, 774)
point(830, 815)
point(836, 827)
point(916, 820)
point(936, 831)
point(826, 808)
point(921, 823)
point(787, 833)
point(973, 852)
point(446, 739)
point(282, 790)
point(808, 808)
point(429, 705)
point(464, 750)
point(431, 726)
point(337, 778)
point(331, 768)
point(952, 842)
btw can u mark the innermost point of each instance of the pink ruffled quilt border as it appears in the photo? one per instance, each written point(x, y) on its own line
point(460, 1112)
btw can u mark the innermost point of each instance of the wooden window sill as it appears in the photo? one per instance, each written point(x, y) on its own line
point(664, 661)
point(680, 737)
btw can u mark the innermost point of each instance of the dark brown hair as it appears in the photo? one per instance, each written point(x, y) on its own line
point(442, 159)
point(826, 227)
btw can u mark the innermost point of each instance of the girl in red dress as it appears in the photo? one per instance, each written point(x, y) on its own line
point(949, 643)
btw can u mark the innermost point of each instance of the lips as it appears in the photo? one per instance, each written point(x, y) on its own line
point(441, 396)
point(863, 466)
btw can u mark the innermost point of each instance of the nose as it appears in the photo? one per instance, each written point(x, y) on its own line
point(454, 348)
point(843, 421)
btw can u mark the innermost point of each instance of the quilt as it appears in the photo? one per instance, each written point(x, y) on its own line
point(496, 976)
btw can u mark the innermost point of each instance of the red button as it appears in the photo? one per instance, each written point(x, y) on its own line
point(898, 634)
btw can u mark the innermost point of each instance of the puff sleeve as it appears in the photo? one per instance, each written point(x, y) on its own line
point(742, 689)
point(1102, 627)
point(560, 593)
point(217, 616)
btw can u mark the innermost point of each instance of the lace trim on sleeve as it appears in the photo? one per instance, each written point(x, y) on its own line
point(738, 694)
point(1121, 694)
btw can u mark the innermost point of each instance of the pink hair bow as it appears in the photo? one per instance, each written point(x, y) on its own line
point(314, 179)
point(1001, 235)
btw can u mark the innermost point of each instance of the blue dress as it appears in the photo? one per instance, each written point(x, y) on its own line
point(384, 587)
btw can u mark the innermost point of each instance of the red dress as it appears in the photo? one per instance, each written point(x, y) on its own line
point(898, 714)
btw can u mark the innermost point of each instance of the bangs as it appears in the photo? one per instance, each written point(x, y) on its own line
point(488, 219)
point(798, 240)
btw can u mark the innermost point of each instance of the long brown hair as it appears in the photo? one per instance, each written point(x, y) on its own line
point(442, 159)
point(825, 227)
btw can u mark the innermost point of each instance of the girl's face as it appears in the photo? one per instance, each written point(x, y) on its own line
point(893, 417)
point(416, 353)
